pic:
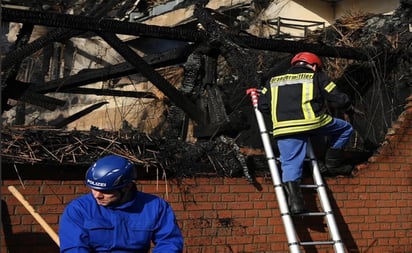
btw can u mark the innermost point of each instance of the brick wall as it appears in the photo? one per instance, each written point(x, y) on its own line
point(226, 215)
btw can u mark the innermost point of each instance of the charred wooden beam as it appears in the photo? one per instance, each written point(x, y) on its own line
point(162, 84)
point(106, 92)
point(58, 34)
point(17, 90)
point(9, 87)
point(215, 105)
point(47, 102)
point(232, 52)
point(30, 92)
point(173, 56)
point(192, 72)
point(288, 46)
point(84, 77)
point(98, 24)
point(78, 115)
point(178, 33)
point(22, 39)
point(14, 89)
point(22, 52)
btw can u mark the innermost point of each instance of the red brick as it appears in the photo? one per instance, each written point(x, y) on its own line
point(51, 200)
point(60, 190)
point(373, 208)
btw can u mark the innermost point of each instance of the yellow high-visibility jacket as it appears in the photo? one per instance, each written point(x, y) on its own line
point(297, 100)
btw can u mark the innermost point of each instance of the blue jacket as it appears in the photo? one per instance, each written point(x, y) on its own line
point(86, 226)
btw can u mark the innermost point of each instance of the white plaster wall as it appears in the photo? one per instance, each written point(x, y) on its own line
point(287, 9)
point(366, 6)
point(316, 10)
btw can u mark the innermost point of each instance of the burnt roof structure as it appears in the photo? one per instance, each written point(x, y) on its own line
point(210, 95)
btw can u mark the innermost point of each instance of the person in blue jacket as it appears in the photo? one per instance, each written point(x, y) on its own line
point(115, 217)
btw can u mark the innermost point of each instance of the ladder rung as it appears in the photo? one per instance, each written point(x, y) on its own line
point(312, 186)
point(317, 243)
point(311, 214)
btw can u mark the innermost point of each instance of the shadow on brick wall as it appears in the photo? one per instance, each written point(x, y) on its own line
point(23, 242)
point(57, 172)
point(42, 172)
point(309, 226)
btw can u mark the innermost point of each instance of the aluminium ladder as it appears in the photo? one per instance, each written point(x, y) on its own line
point(293, 242)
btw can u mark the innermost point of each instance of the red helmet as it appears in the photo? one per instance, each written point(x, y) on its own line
point(307, 57)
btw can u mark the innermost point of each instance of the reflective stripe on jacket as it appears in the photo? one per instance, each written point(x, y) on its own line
point(297, 99)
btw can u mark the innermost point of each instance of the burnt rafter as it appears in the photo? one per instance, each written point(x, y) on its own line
point(23, 38)
point(32, 93)
point(98, 24)
point(49, 103)
point(218, 37)
point(58, 34)
point(162, 84)
point(78, 115)
point(14, 91)
point(178, 33)
point(106, 92)
point(22, 52)
point(8, 76)
point(89, 76)
point(298, 46)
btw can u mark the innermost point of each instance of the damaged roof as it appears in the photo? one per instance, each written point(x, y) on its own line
point(201, 71)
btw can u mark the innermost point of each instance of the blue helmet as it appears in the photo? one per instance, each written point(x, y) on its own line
point(109, 173)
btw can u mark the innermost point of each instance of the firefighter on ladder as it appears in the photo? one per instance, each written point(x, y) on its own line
point(297, 103)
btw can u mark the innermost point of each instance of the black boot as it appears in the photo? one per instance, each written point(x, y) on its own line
point(322, 167)
point(335, 163)
point(295, 197)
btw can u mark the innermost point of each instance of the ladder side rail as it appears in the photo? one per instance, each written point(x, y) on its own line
point(324, 200)
point(294, 245)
